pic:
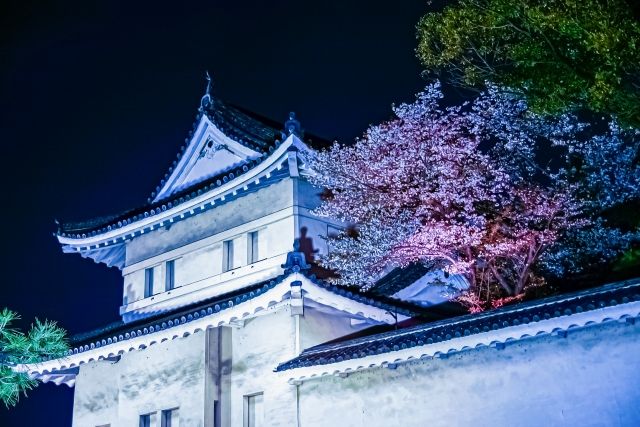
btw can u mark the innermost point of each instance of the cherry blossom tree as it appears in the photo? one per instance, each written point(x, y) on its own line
point(458, 187)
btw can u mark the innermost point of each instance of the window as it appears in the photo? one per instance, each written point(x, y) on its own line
point(148, 420)
point(148, 282)
point(252, 247)
point(227, 255)
point(254, 410)
point(169, 418)
point(170, 275)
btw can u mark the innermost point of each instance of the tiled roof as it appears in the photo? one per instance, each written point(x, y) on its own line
point(534, 311)
point(106, 223)
point(400, 278)
point(437, 312)
point(249, 129)
point(119, 331)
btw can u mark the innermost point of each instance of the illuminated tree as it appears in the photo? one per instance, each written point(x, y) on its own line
point(43, 341)
point(458, 187)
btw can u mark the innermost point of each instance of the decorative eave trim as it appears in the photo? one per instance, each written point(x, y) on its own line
point(165, 215)
point(188, 157)
point(270, 297)
point(559, 326)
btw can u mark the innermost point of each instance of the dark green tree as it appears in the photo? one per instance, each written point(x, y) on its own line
point(561, 55)
point(43, 341)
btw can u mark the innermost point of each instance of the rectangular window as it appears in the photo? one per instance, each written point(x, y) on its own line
point(169, 418)
point(227, 255)
point(146, 420)
point(170, 275)
point(254, 410)
point(252, 247)
point(148, 282)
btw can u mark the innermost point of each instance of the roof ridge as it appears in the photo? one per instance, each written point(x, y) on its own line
point(239, 296)
point(467, 322)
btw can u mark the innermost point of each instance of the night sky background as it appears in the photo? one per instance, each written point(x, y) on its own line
point(96, 98)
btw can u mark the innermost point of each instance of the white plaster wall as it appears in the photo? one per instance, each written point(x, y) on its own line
point(257, 349)
point(163, 376)
point(317, 327)
point(309, 226)
point(244, 209)
point(314, 231)
point(591, 378)
point(279, 212)
point(96, 395)
point(264, 342)
point(198, 265)
point(133, 287)
point(307, 195)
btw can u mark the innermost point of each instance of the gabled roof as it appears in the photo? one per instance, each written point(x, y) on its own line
point(399, 278)
point(496, 327)
point(223, 138)
point(248, 131)
point(228, 152)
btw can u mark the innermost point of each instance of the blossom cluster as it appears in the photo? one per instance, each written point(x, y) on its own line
point(461, 187)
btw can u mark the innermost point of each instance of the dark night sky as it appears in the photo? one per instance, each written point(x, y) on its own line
point(97, 97)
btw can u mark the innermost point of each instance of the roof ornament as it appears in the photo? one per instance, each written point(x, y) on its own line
point(292, 126)
point(296, 260)
point(205, 102)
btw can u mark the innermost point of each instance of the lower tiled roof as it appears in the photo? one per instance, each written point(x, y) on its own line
point(534, 311)
point(119, 331)
point(400, 278)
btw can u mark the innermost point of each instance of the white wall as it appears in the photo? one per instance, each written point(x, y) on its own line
point(96, 394)
point(196, 243)
point(249, 207)
point(317, 327)
point(164, 376)
point(279, 213)
point(257, 349)
point(309, 226)
point(264, 342)
point(590, 378)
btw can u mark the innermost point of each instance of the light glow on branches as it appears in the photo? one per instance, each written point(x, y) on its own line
point(460, 187)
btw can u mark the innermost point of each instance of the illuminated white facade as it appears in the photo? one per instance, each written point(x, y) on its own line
point(225, 325)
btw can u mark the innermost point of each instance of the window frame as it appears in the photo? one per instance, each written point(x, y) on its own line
point(170, 275)
point(227, 255)
point(148, 282)
point(167, 415)
point(253, 251)
point(247, 399)
point(145, 419)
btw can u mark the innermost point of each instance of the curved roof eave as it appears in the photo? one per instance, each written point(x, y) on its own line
point(496, 328)
point(222, 311)
point(119, 234)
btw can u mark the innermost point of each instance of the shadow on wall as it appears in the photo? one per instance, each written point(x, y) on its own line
point(129, 295)
point(306, 247)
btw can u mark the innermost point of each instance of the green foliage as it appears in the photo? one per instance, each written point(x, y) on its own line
point(561, 54)
point(45, 340)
